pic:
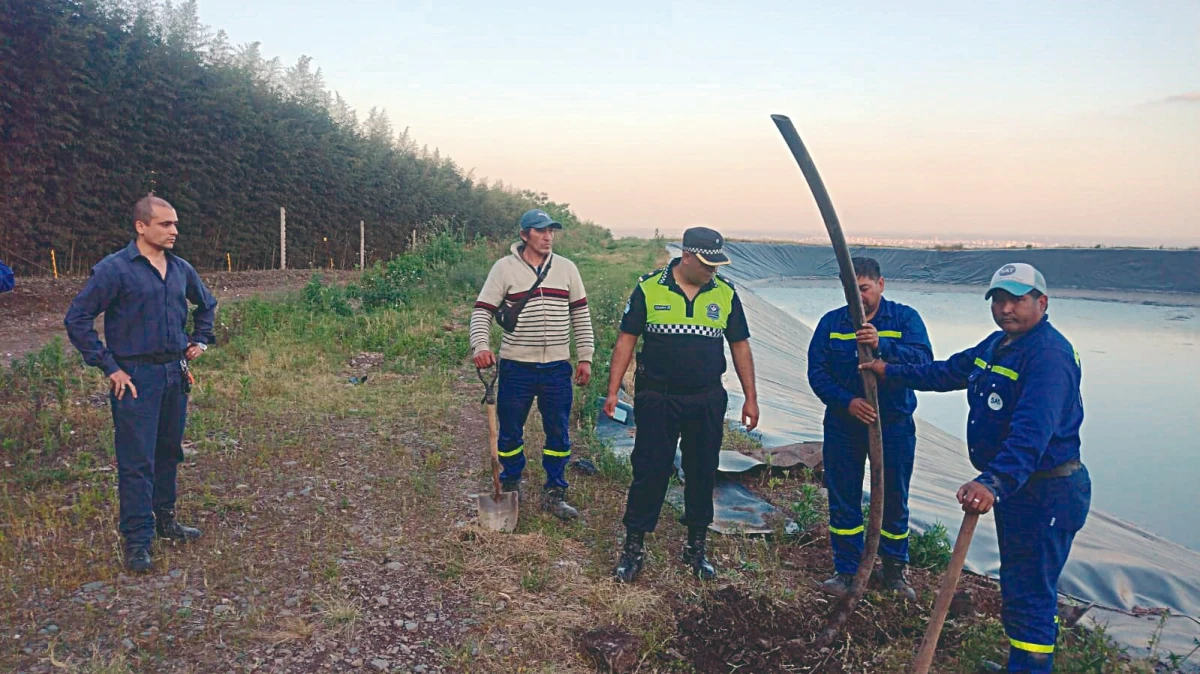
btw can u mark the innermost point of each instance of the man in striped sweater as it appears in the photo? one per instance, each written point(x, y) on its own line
point(535, 356)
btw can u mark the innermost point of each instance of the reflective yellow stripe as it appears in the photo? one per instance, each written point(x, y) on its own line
point(1076, 357)
point(998, 369)
point(515, 452)
point(894, 537)
point(1032, 648)
point(891, 333)
point(847, 532)
point(844, 336)
point(1004, 371)
point(551, 452)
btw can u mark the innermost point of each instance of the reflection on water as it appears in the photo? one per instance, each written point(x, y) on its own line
point(1141, 387)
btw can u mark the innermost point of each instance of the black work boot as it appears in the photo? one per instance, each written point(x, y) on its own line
point(137, 559)
point(894, 579)
point(166, 526)
point(510, 486)
point(632, 557)
point(554, 502)
point(839, 584)
point(693, 554)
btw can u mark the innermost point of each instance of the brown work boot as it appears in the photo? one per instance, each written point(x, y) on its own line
point(838, 585)
point(894, 579)
point(554, 501)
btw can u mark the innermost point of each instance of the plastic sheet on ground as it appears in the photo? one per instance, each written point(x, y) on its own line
point(736, 510)
point(1121, 568)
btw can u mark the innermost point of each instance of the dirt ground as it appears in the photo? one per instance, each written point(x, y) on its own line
point(32, 314)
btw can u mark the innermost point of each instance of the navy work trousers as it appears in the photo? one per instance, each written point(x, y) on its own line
point(520, 383)
point(1035, 528)
point(149, 445)
point(845, 457)
point(695, 422)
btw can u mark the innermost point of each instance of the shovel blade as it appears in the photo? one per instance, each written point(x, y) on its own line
point(499, 513)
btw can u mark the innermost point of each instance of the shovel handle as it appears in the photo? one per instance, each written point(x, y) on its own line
point(945, 593)
point(493, 449)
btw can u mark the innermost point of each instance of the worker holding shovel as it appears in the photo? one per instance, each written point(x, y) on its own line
point(1022, 386)
point(539, 300)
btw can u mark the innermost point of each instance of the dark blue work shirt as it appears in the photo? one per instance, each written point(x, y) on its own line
point(7, 280)
point(833, 372)
point(144, 313)
point(1026, 408)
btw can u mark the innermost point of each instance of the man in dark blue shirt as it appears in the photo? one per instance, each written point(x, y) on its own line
point(897, 333)
point(1023, 389)
point(143, 291)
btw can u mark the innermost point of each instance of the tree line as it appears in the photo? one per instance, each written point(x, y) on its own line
point(104, 101)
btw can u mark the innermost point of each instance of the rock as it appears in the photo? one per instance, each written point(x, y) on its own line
point(357, 662)
point(431, 618)
point(394, 566)
point(380, 664)
point(51, 629)
point(175, 573)
point(353, 650)
point(128, 645)
point(612, 649)
point(411, 627)
point(94, 586)
point(791, 528)
point(381, 600)
point(420, 669)
point(292, 602)
point(220, 609)
point(963, 604)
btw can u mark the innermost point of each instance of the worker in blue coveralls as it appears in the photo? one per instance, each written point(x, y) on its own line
point(896, 333)
point(143, 291)
point(1022, 387)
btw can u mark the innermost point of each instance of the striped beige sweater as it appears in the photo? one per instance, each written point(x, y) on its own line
point(558, 307)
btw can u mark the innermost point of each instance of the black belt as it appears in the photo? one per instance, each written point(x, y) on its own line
point(152, 359)
point(647, 384)
point(1061, 470)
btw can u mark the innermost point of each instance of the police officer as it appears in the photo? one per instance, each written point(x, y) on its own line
point(143, 291)
point(897, 334)
point(684, 313)
point(1022, 386)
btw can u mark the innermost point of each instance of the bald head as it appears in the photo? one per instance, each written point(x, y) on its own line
point(156, 223)
point(143, 210)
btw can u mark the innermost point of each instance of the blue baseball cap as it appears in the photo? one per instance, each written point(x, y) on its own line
point(538, 219)
point(1018, 279)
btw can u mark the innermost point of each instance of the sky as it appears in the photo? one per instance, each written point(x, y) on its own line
point(1024, 120)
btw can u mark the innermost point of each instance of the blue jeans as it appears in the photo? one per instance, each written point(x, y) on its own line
point(148, 431)
point(1035, 528)
point(551, 384)
point(845, 455)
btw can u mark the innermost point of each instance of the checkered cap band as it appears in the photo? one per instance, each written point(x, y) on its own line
point(683, 329)
point(703, 251)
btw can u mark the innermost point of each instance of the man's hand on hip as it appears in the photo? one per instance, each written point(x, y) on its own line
point(193, 352)
point(484, 360)
point(583, 373)
point(120, 382)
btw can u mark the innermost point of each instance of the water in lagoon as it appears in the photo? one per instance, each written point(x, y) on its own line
point(1141, 388)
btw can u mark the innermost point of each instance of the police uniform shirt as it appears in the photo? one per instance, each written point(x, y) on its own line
point(681, 339)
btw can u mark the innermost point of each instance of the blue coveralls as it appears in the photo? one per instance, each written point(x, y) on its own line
point(1025, 414)
point(834, 376)
point(145, 316)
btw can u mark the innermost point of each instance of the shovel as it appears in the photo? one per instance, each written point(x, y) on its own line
point(497, 510)
point(945, 595)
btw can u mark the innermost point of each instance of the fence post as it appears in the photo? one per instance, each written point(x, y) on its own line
point(228, 262)
point(362, 245)
point(282, 238)
point(54, 263)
